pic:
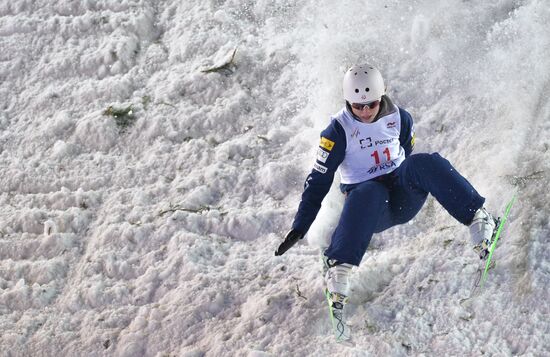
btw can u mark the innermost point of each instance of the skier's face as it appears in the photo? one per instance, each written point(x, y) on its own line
point(366, 112)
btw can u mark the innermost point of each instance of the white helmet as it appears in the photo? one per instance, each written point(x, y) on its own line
point(362, 84)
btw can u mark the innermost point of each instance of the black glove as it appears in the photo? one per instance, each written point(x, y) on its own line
point(291, 238)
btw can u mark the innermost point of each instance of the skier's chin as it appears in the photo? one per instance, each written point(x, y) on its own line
point(367, 118)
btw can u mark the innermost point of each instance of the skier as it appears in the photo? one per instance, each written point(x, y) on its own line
point(371, 141)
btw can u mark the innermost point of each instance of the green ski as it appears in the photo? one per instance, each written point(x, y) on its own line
point(498, 230)
point(341, 331)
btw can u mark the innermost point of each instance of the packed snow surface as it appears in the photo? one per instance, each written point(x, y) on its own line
point(153, 154)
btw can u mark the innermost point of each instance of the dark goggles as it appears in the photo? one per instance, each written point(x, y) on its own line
point(361, 106)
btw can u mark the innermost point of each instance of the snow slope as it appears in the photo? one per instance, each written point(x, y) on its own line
point(152, 233)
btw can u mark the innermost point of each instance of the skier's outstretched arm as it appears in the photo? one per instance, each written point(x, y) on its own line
point(330, 155)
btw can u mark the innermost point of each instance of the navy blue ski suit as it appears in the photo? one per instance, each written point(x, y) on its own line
point(377, 204)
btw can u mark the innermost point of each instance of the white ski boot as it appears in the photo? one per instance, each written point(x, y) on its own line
point(482, 230)
point(336, 292)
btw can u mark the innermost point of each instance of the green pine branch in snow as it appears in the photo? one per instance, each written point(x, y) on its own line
point(124, 116)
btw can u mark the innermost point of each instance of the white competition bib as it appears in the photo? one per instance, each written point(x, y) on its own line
point(372, 149)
